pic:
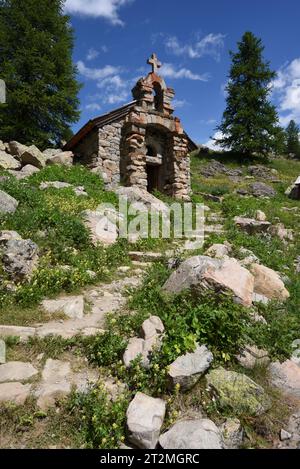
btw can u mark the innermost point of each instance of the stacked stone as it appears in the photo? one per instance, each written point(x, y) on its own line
point(109, 152)
point(135, 150)
point(181, 187)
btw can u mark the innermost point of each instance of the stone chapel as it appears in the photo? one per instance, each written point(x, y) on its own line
point(141, 143)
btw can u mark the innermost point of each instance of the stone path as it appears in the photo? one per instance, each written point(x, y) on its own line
point(55, 379)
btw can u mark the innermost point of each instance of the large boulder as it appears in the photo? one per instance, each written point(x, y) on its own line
point(142, 200)
point(201, 272)
point(188, 369)
point(145, 416)
point(7, 203)
point(8, 162)
point(16, 148)
point(192, 434)
point(64, 158)
point(219, 251)
point(286, 377)
point(268, 283)
point(33, 156)
point(260, 189)
point(102, 228)
point(19, 258)
point(238, 392)
point(252, 226)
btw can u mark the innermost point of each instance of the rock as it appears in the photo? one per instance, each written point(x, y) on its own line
point(64, 158)
point(248, 257)
point(267, 282)
point(262, 172)
point(213, 168)
point(102, 229)
point(17, 331)
point(260, 189)
point(232, 432)
point(297, 265)
point(257, 298)
point(16, 371)
point(296, 352)
point(8, 162)
point(7, 203)
point(2, 352)
point(34, 157)
point(28, 170)
point(6, 236)
point(252, 356)
point(293, 192)
point(284, 435)
point(252, 226)
point(145, 416)
point(20, 258)
point(286, 377)
point(2, 146)
point(142, 200)
point(152, 327)
point(54, 185)
point(16, 148)
point(201, 272)
point(283, 233)
point(140, 348)
point(55, 383)
point(188, 369)
point(145, 256)
point(192, 434)
point(14, 392)
point(238, 392)
point(260, 216)
point(71, 306)
point(80, 191)
point(218, 251)
point(51, 152)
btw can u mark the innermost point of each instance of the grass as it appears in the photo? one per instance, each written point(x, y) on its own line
point(93, 420)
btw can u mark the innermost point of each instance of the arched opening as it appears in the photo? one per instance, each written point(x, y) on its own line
point(158, 97)
point(151, 151)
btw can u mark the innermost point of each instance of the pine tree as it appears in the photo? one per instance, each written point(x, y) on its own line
point(250, 121)
point(36, 43)
point(292, 139)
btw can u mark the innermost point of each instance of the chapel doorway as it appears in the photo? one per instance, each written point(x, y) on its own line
point(152, 177)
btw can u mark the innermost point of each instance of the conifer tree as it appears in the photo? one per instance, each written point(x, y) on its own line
point(250, 121)
point(36, 43)
point(292, 139)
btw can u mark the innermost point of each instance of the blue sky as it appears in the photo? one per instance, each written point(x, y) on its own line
point(192, 38)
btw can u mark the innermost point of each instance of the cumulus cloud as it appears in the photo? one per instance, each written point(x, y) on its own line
point(92, 54)
point(96, 73)
point(211, 142)
point(286, 91)
point(178, 103)
point(210, 45)
point(93, 107)
point(108, 9)
point(169, 71)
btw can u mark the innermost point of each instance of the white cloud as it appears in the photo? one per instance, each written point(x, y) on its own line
point(107, 9)
point(169, 71)
point(92, 54)
point(178, 103)
point(93, 107)
point(208, 121)
point(209, 45)
point(96, 73)
point(286, 91)
point(212, 144)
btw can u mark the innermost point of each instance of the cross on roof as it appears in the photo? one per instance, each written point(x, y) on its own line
point(155, 63)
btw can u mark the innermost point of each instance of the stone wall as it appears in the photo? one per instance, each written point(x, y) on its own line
point(109, 153)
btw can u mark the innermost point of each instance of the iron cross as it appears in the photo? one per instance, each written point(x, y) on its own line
point(155, 63)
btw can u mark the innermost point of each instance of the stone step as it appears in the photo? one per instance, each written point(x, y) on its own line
point(140, 256)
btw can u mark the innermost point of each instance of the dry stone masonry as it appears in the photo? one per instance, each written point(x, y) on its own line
point(140, 144)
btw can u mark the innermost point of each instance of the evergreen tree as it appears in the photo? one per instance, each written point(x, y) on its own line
point(292, 139)
point(250, 122)
point(36, 43)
